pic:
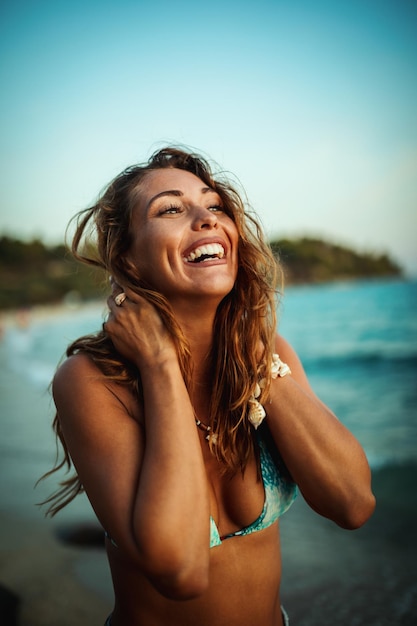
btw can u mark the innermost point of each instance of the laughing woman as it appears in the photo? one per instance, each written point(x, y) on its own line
point(188, 432)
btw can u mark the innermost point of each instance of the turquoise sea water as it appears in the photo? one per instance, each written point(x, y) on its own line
point(358, 344)
point(357, 341)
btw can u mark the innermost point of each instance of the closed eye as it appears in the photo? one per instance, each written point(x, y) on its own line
point(172, 209)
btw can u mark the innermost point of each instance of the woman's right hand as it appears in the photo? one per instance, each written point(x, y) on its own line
point(137, 330)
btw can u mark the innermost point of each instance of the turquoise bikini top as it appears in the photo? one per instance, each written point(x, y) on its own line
point(280, 493)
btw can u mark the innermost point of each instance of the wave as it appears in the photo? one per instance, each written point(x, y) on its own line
point(357, 359)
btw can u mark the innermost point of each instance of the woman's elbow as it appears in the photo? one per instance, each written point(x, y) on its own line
point(358, 512)
point(177, 574)
point(185, 584)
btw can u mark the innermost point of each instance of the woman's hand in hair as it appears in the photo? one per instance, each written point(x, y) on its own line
point(137, 330)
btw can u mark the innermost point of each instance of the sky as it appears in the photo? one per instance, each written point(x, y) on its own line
point(310, 104)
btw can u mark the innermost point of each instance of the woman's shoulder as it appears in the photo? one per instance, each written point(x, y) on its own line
point(78, 380)
point(288, 355)
point(80, 376)
point(284, 348)
point(78, 368)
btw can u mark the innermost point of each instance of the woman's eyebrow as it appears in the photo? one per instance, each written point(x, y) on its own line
point(161, 194)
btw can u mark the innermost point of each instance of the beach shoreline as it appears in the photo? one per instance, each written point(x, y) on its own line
point(42, 572)
point(44, 312)
point(365, 577)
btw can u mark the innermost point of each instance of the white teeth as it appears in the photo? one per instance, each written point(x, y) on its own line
point(210, 249)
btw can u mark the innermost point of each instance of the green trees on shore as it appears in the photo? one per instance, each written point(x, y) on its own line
point(308, 260)
point(32, 273)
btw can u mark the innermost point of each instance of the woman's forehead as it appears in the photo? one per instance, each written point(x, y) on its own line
point(164, 182)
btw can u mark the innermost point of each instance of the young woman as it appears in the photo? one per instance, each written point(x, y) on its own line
point(188, 432)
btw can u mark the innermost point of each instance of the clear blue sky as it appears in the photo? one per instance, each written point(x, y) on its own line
point(311, 104)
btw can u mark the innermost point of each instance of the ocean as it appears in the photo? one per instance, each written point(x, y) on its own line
point(358, 344)
point(356, 340)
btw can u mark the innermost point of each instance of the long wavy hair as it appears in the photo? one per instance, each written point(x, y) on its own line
point(244, 325)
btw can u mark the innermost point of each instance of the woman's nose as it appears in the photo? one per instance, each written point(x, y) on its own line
point(204, 219)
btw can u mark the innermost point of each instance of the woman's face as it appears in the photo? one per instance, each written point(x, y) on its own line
point(184, 244)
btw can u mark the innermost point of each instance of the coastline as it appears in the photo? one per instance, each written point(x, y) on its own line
point(40, 312)
point(43, 312)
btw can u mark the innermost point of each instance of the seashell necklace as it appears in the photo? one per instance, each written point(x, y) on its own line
point(256, 413)
point(210, 436)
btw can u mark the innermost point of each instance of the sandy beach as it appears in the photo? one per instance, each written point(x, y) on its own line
point(44, 573)
point(366, 577)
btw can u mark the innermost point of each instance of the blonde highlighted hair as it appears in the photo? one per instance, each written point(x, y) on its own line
point(245, 321)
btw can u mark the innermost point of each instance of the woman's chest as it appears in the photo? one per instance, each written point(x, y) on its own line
point(235, 501)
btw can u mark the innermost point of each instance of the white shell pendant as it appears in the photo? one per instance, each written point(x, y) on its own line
point(211, 438)
point(278, 367)
point(256, 413)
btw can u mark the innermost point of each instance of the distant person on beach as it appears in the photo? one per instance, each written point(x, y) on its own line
point(190, 422)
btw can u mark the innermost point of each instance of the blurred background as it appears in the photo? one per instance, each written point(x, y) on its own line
point(312, 106)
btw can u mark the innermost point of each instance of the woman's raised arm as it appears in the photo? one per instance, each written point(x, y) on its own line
point(146, 481)
point(324, 458)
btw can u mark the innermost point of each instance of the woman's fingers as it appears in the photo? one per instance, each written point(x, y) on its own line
point(136, 327)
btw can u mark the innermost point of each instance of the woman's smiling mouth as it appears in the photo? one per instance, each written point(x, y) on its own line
point(207, 252)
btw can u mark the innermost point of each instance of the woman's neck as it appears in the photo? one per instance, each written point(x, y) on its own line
point(197, 324)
